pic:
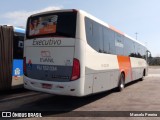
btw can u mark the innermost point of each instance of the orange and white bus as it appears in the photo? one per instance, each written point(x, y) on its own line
point(70, 52)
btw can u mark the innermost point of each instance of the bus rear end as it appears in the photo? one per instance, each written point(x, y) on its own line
point(50, 63)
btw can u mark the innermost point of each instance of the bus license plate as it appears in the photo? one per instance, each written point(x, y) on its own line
point(46, 86)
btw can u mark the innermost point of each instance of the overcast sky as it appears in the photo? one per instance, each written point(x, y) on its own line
point(129, 16)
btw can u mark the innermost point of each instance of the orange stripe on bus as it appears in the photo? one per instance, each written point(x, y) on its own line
point(116, 30)
point(125, 65)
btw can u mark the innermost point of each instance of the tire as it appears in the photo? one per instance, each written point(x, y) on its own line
point(121, 83)
point(141, 79)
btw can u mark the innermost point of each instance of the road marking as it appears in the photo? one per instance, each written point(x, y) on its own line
point(21, 96)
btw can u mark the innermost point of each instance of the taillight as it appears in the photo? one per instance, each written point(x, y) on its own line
point(75, 69)
point(24, 65)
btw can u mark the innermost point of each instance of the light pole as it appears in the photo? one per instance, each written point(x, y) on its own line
point(136, 35)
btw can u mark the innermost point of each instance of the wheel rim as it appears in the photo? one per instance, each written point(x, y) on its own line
point(122, 82)
point(121, 85)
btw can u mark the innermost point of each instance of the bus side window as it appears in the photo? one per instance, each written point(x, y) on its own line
point(98, 37)
point(106, 39)
point(119, 44)
point(91, 33)
point(112, 49)
point(18, 47)
point(20, 44)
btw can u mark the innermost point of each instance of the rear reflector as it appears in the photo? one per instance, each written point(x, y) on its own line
point(46, 86)
point(24, 66)
point(75, 69)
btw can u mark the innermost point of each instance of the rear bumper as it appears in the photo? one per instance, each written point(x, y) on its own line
point(73, 88)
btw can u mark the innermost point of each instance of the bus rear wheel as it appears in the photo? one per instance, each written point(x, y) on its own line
point(144, 74)
point(121, 83)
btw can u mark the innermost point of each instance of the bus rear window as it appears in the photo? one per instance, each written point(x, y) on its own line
point(56, 24)
point(18, 45)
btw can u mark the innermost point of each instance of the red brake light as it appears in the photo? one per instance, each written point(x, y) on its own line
point(24, 65)
point(75, 69)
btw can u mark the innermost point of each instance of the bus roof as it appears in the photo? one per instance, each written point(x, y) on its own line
point(18, 29)
point(92, 17)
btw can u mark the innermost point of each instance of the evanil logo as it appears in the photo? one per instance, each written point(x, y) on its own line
point(46, 57)
point(45, 54)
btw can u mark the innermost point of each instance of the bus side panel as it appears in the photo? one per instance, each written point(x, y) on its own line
point(101, 73)
point(80, 54)
point(138, 66)
point(125, 66)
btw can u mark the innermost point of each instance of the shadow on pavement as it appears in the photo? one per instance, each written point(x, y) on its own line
point(54, 105)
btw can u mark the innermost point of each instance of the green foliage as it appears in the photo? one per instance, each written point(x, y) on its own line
point(154, 61)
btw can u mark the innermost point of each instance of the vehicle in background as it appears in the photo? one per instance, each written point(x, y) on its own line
point(11, 57)
point(17, 71)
